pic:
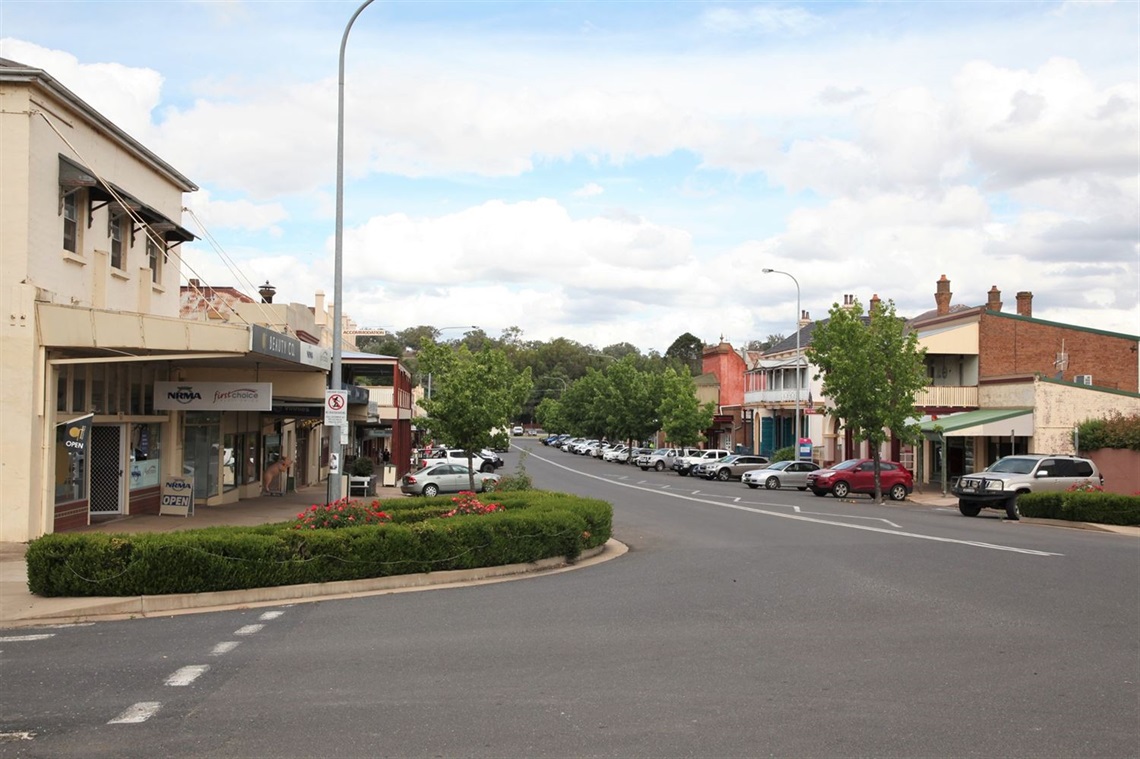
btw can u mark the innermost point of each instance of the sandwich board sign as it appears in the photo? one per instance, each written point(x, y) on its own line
point(177, 497)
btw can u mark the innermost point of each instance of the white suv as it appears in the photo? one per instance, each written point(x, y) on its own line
point(999, 485)
point(683, 466)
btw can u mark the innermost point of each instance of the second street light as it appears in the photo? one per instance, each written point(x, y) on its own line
point(799, 383)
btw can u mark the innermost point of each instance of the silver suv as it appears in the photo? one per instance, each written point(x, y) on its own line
point(999, 485)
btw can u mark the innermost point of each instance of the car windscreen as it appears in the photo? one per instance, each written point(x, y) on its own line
point(848, 464)
point(1013, 465)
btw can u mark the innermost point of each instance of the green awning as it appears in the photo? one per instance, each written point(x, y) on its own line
point(997, 422)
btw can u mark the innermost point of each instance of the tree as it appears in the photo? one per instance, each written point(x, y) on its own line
point(632, 400)
point(683, 418)
point(871, 369)
point(687, 350)
point(472, 394)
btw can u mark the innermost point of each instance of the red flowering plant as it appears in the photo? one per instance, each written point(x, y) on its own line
point(1085, 487)
point(467, 503)
point(342, 513)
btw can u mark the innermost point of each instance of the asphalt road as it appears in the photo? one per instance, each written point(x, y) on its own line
point(741, 623)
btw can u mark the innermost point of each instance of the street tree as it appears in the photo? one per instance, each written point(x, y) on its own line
point(632, 400)
point(871, 369)
point(683, 418)
point(686, 351)
point(472, 394)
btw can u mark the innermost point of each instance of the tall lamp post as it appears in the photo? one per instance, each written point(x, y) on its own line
point(336, 380)
point(798, 382)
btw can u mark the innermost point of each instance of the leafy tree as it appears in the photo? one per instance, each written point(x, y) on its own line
point(472, 393)
point(548, 413)
point(686, 350)
point(584, 414)
point(766, 343)
point(683, 418)
point(871, 369)
point(632, 401)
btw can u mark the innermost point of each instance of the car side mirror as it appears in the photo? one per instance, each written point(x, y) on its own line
point(1042, 473)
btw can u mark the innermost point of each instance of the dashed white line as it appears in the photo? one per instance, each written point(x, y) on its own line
point(26, 638)
point(140, 712)
point(248, 629)
point(187, 675)
point(225, 648)
point(270, 615)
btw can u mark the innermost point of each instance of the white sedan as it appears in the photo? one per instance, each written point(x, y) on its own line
point(781, 474)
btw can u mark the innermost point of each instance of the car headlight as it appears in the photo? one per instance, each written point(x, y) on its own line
point(995, 486)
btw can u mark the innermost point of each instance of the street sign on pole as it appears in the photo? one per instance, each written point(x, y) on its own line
point(336, 408)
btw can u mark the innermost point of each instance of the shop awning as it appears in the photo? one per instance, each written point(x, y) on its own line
point(998, 422)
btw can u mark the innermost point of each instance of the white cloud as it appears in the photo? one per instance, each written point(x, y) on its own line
point(589, 190)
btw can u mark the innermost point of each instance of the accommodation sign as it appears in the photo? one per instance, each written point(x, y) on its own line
point(213, 396)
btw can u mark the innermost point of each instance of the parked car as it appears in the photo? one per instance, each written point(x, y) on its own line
point(858, 476)
point(684, 464)
point(445, 477)
point(999, 485)
point(613, 453)
point(634, 453)
point(660, 459)
point(730, 467)
point(517, 430)
point(484, 461)
point(782, 474)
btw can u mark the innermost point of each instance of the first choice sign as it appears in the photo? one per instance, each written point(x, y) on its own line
point(336, 408)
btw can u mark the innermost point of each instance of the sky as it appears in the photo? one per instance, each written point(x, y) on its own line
point(620, 171)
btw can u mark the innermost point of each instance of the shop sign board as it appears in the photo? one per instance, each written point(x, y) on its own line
point(177, 497)
point(213, 396)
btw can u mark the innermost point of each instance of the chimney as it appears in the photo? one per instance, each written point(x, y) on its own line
point(875, 301)
point(805, 319)
point(1025, 303)
point(942, 295)
point(266, 291)
point(994, 301)
point(193, 284)
point(848, 300)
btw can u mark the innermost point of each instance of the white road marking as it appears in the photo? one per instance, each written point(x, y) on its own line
point(249, 629)
point(26, 638)
point(187, 675)
point(813, 520)
point(225, 648)
point(847, 516)
point(270, 615)
point(22, 735)
point(140, 712)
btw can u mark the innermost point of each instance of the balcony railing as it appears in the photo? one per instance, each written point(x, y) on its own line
point(947, 396)
point(787, 395)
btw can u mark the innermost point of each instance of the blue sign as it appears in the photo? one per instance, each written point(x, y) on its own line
point(804, 449)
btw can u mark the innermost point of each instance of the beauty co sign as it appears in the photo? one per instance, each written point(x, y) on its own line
point(213, 396)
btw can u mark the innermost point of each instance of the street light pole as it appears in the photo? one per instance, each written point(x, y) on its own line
point(798, 382)
point(336, 380)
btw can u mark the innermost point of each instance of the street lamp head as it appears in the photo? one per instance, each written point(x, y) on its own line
point(767, 271)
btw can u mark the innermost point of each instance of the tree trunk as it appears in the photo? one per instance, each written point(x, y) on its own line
point(878, 457)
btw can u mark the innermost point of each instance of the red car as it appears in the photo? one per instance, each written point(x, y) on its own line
point(858, 476)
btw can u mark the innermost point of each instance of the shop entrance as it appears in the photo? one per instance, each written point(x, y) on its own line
point(106, 470)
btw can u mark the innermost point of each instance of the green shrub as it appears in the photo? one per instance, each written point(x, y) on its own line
point(1081, 506)
point(1117, 431)
point(784, 454)
point(362, 466)
point(533, 525)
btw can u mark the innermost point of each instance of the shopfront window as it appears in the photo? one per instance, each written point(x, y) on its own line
point(202, 452)
point(146, 455)
point(70, 473)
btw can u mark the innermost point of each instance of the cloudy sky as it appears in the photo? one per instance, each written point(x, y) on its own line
point(622, 171)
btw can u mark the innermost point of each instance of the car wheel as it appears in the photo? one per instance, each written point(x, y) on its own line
point(969, 509)
point(724, 475)
point(841, 489)
point(898, 492)
point(683, 472)
point(659, 466)
point(644, 468)
point(772, 483)
point(1011, 509)
point(753, 485)
point(487, 467)
point(430, 491)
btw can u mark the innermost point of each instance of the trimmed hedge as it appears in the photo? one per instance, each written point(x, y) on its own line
point(534, 525)
point(1082, 506)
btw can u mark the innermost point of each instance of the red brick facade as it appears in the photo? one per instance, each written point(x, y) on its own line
point(723, 361)
point(1011, 345)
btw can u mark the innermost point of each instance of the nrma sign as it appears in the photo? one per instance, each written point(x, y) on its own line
point(213, 396)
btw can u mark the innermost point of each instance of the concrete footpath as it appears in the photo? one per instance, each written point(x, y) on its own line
point(20, 608)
